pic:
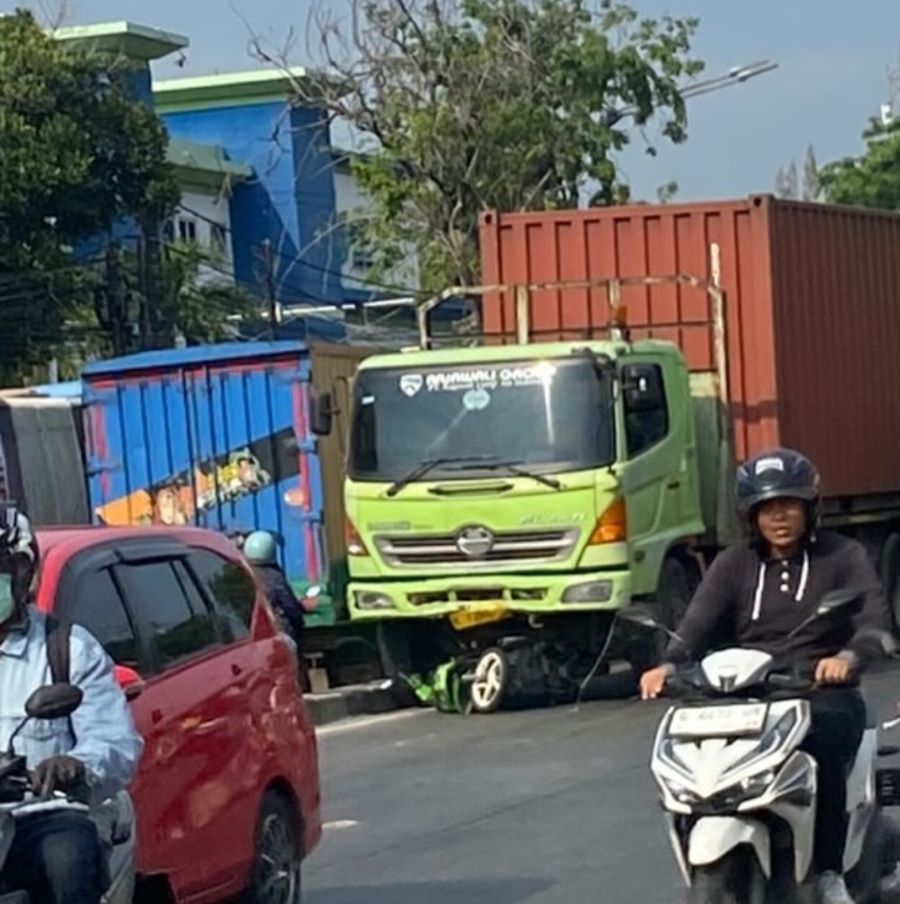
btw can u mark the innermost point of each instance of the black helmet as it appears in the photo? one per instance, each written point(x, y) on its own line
point(18, 550)
point(779, 474)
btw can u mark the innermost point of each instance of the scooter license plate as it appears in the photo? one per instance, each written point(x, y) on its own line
point(740, 720)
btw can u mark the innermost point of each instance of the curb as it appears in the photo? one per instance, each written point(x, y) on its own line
point(354, 700)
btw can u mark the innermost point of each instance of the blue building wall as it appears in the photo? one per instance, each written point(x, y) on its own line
point(291, 200)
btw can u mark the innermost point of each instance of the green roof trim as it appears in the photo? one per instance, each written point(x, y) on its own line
point(231, 89)
point(135, 41)
point(205, 167)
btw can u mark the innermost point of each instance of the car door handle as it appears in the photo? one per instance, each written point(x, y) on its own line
point(673, 485)
point(156, 716)
point(132, 691)
point(236, 670)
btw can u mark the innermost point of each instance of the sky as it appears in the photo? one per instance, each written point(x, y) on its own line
point(833, 56)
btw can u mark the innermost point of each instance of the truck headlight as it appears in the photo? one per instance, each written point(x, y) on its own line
point(369, 600)
point(591, 592)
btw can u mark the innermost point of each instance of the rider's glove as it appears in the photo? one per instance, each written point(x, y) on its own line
point(58, 773)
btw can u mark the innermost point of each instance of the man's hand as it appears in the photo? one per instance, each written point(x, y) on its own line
point(59, 773)
point(835, 670)
point(653, 682)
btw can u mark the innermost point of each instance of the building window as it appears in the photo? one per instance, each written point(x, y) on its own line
point(360, 254)
point(187, 229)
point(218, 239)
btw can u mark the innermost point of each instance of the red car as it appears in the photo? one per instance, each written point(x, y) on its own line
point(227, 793)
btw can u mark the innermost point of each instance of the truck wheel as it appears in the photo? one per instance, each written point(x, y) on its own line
point(678, 580)
point(890, 577)
point(275, 874)
point(492, 673)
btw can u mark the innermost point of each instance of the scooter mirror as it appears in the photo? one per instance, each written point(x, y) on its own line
point(54, 701)
point(640, 617)
point(837, 599)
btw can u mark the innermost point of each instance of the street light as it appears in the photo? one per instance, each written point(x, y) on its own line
point(737, 75)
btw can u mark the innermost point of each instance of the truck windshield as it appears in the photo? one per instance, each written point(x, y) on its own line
point(547, 416)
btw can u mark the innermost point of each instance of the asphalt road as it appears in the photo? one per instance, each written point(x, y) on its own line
point(544, 807)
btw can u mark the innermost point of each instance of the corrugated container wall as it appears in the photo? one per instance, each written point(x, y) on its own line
point(215, 436)
point(811, 295)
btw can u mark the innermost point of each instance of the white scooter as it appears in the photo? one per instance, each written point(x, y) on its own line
point(738, 793)
point(115, 818)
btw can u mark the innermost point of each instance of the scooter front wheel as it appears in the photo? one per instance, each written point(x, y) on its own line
point(735, 879)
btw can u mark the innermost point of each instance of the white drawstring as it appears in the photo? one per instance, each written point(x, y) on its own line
point(760, 586)
point(804, 577)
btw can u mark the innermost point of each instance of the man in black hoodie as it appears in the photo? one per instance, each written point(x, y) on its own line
point(757, 593)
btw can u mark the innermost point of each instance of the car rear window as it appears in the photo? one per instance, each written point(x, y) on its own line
point(97, 606)
point(230, 588)
point(176, 627)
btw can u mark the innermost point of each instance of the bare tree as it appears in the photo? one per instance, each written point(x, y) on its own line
point(463, 106)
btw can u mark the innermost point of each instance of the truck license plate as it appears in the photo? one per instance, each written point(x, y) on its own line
point(465, 619)
point(741, 720)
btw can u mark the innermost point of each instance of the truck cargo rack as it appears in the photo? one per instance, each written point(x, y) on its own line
point(616, 327)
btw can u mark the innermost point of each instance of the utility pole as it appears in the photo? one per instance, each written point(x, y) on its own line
point(268, 257)
point(117, 313)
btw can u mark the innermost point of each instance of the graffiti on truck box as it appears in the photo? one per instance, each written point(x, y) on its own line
point(179, 498)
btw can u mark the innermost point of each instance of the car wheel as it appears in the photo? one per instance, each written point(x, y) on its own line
point(490, 682)
point(275, 875)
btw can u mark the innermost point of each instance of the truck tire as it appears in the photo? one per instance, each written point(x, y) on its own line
point(890, 578)
point(678, 579)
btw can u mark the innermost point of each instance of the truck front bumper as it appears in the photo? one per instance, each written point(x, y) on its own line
point(528, 594)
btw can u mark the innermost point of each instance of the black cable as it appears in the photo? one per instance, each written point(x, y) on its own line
point(299, 261)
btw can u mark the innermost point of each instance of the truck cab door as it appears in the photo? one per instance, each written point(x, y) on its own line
point(658, 451)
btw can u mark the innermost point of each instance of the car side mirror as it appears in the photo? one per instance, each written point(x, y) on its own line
point(129, 680)
point(54, 701)
point(321, 413)
point(643, 387)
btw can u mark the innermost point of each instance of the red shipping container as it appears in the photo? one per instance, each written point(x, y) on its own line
point(811, 301)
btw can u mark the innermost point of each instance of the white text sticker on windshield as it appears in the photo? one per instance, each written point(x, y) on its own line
point(476, 400)
point(769, 464)
point(411, 384)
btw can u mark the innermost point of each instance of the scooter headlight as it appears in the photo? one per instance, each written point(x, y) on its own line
point(769, 742)
point(682, 794)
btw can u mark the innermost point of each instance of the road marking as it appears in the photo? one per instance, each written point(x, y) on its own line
point(369, 722)
point(338, 824)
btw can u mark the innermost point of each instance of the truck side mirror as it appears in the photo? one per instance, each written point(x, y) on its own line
point(321, 413)
point(643, 387)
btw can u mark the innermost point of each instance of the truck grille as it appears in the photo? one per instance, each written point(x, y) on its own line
point(508, 546)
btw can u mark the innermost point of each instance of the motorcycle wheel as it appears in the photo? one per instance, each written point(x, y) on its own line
point(275, 875)
point(735, 879)
point(489, 686)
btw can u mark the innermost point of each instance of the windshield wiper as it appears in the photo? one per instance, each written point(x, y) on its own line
point(424, 467)
point(515, 468)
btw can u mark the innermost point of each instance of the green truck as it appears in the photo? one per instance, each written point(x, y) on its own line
point(505, 498)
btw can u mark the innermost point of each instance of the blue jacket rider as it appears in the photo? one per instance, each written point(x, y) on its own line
point(57, 855)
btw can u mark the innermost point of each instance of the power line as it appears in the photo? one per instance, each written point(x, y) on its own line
point(299, 262)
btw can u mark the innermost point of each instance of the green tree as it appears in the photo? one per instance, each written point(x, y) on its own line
point(77, 155)
point(871, 179)
point(472, 105)
point(198, 302)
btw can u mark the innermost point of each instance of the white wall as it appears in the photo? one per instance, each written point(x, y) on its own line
point(200, 212)
point(352, 203)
